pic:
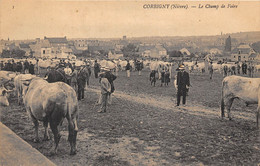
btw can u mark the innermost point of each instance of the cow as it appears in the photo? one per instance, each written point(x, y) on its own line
point(3, 97)
point(6, 77)
point(51, 103)
point(237, 87)
point(18, 83)
point(56, 75)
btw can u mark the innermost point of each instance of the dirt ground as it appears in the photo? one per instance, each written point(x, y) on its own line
point(143, 127)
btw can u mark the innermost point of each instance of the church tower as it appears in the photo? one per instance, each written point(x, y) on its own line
point(228, 44)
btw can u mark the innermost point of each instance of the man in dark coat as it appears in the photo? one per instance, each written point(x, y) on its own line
point(14, 66)
point(31, 68)
point(127, 68)
point(183, 83)
point(152, 77)
point(244, 68)
point(96, 69)
point(83, 76)
point(26, 67)
point(19, 67)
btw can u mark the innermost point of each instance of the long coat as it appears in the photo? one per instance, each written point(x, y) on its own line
point(183, 80)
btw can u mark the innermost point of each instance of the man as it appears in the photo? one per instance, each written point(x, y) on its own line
point(183, 83)
point(96, 69)
point(244, 68)
point(83, 75)
point(68, 73)
point(26, 66)
point(127, 68)
point(152, 77)
point(138, 67)
point(162, 76)
point(111, 78)
point(31, 68)
point(105, 91)
point(210, 68)
point(238, 68)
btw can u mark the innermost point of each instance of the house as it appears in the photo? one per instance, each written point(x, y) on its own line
point(25, 47)
point(241, 53)
point(57, 41)
point(46, 52)
point(81, 44)
point(57, 47)
point(156, 51)
point(255, 57)
point(215, 51)
point(115, 54)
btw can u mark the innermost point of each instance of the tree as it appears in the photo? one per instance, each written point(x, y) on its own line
point(18, 53)
point(15, 53)
point(175, 53)
point(130, 50)
point(6, 54)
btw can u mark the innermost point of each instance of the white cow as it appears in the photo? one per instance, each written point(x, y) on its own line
point(19, 80)
point(4, 97)
point(109, 64)
point(236, 87)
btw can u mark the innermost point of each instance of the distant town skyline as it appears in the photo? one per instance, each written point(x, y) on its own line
point(27, 19)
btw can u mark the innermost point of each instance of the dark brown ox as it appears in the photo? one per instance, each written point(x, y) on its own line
point(243, 88)
point(51, 103)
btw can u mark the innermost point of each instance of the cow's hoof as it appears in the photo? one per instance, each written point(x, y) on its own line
point(36, 140)
point(230, 118)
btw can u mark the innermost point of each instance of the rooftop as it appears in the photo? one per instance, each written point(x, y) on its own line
point(57, 40)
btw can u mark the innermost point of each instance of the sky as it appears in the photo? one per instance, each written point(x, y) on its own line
point(30, 19)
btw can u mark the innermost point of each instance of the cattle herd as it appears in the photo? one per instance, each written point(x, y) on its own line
point(51, 100)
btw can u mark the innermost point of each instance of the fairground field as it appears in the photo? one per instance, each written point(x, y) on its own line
point(143, 126)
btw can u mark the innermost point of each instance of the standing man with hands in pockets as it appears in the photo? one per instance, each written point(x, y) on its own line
point(105, 91)
point(183, 83)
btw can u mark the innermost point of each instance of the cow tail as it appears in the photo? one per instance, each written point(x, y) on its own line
point(222, 101)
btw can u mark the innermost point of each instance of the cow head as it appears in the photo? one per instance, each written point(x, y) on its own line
point(3, 97)
point(25, 85)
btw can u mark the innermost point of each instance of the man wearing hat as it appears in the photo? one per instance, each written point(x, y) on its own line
point(111, 78)
point(96, 69)
point(127, 68)
point(183, 83)
point(83, 76)
point(105, 91)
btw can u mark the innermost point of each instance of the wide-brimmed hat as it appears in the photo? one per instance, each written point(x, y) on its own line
point(181, 67)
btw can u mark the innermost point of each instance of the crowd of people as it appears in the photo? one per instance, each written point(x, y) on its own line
point(245, 68)
point(11, 65)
